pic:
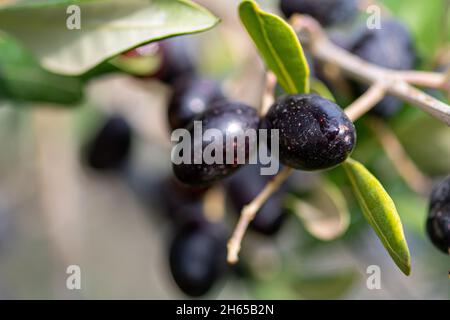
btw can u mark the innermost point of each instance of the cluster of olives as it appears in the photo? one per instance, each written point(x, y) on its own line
point(314, 134)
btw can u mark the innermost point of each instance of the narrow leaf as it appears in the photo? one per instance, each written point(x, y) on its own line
point(107, 28)
point(278, 45)
point(380, 212)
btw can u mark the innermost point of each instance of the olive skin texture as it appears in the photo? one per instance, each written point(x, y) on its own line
point(191, 96)
point(438, 222)
point(110, 148)
point(390, 47)
point(314, 132)
point(231, 119)
point(326, 12)
point(244, 186)
point(197, 257)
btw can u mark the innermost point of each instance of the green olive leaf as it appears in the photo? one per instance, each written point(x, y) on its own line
point(380, 212)
point(278, 45)
point(107, 28)
point(23, 79)
point(320, 88)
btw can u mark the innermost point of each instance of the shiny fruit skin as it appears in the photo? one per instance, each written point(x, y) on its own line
point(110, 148)
point(315, 133)
point(227, 117)
point(191, 96)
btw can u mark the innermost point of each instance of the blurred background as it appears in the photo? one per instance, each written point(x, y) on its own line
point(56, 210)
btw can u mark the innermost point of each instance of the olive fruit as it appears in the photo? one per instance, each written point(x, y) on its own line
point(326, 12)
point(438, 222)
point(181, 202)
point(110, 147)
point(314, 133)
point(176, 61)
point(390, 47)
point(197, 257)
point(190, 97)
point(232, 121)
point(244, 186)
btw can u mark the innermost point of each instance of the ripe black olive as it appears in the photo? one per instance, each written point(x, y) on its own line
point(314, 132)
point(231, 120)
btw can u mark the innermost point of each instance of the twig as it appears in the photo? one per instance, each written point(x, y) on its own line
point(425, 79)
point(249, 211)
point(268, 96)
point(358, 69)
point(394, 150)
point(365, 102)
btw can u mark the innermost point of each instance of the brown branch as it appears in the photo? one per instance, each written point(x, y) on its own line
point(365, 102)
point(248, 213)
point(363, 71)
point(425, 79)
point(268, 96)
point(404, 165)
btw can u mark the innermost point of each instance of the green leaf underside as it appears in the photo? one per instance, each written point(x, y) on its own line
point(23, 79)
point(278, 45)
point(108, 28)
point(379, 209)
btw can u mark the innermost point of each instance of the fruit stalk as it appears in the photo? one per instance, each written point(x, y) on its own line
point(407, 169)
point(249, 211)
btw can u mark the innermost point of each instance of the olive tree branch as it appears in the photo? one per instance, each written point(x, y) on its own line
point(324, 50)
point(434, 80)
point(407, 169)
point(366, 101)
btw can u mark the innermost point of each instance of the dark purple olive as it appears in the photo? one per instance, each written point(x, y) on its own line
point(438, 222)
point(327, 12)
point(176, 60)
point(191, 96)
point(232, 121)
point(111, 146)
point(197, 257)
point(314, 132)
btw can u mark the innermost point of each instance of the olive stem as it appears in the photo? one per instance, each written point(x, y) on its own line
point(365, 102)
point(268, 96)
point(358, 69)
point(433, 80)
point(394, 150)
point(248, 213)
